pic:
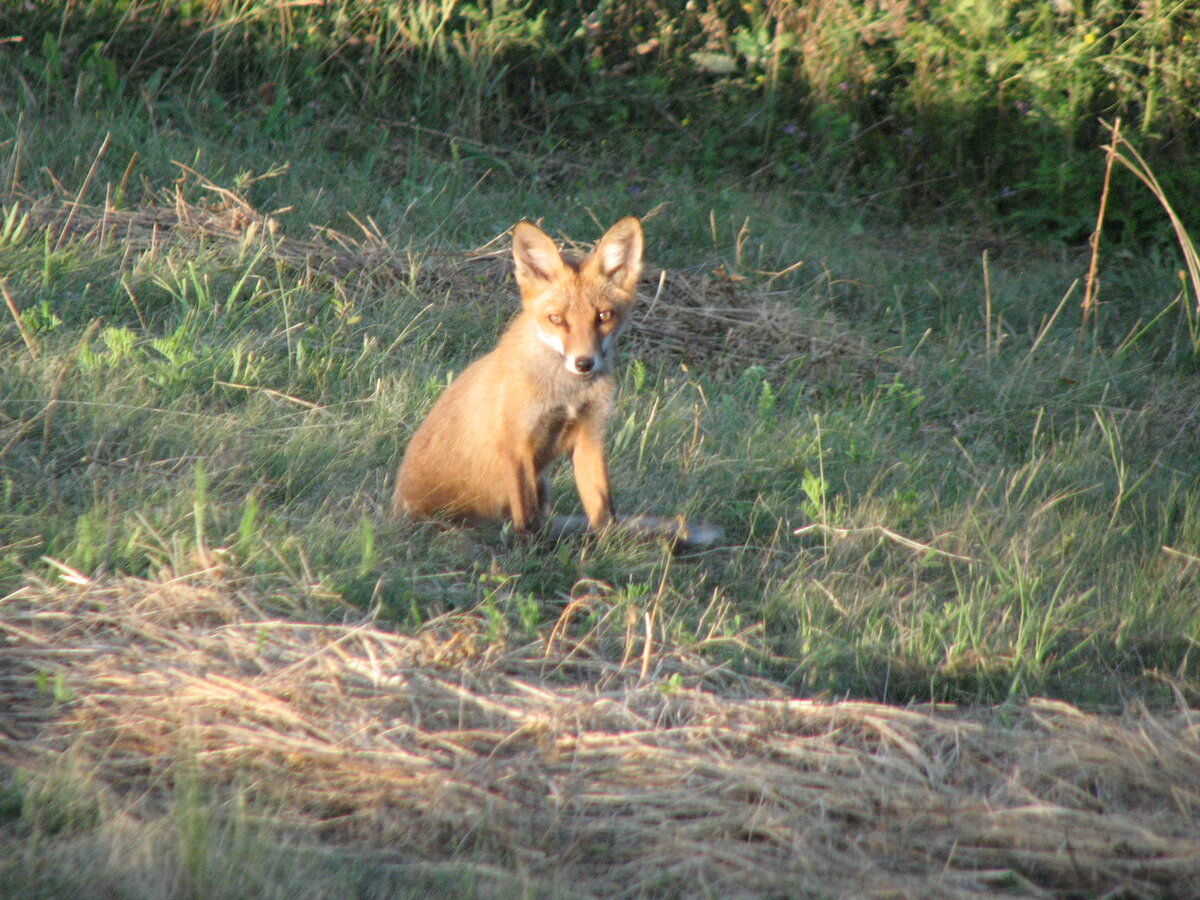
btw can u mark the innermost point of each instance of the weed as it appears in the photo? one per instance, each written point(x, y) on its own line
point(904, 105)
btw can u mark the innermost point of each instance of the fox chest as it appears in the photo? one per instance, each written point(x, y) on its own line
point(555, 430)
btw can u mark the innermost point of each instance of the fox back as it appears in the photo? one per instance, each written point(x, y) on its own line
point(544, 391)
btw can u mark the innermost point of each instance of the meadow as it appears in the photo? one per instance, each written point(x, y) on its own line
point(951, 627)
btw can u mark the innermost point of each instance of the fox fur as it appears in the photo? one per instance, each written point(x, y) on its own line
point(544, 391)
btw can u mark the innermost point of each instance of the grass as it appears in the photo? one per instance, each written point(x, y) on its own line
point(223, 320)
point(232, 734)
point(911, 108)
point(172, 395)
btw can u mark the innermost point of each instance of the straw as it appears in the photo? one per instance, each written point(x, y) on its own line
point(439, 747)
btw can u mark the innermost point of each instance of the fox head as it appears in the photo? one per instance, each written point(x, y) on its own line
point(579, 308)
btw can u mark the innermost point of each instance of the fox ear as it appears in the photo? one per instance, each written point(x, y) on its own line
point(536, 256)
point(619, 254)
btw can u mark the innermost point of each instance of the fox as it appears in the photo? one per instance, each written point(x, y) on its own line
point(544, 391)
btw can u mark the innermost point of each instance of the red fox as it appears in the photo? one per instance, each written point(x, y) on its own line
point(544, 391)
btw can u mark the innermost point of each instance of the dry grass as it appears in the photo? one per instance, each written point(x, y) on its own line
point(585, 776)
point(598, 763)
point(713, 317)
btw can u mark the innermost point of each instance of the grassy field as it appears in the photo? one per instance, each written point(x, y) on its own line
point(225, 315)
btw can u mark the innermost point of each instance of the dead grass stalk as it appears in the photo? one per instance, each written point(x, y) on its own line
point(439, 748)
point(708, 318)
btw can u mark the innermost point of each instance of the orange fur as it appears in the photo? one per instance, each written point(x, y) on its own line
point(544, 391)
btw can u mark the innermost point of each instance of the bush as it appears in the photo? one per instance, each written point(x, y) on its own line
point(919, 104)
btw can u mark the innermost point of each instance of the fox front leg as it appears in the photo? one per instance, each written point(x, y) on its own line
point(591, 477)
point(525, 492)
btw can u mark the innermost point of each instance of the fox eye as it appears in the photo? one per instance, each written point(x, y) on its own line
point(604, 315)
point(555, 319)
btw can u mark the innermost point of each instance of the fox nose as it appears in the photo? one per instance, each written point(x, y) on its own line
point(584, 364)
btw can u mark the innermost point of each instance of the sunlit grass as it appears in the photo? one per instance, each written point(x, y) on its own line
point(948, 495)
point(192, 399)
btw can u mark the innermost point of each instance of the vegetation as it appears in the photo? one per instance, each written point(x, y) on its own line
point(912, 107)
point(232, 254)
point(235, 753)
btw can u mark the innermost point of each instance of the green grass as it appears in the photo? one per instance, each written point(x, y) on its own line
point(79, 840)
point(987, 510)
point(913, 108)
point(203, 397)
